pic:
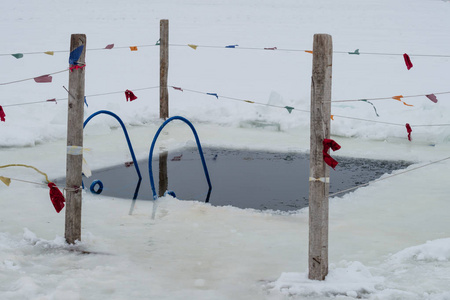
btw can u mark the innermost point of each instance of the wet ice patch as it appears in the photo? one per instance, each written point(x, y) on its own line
point(350, 279)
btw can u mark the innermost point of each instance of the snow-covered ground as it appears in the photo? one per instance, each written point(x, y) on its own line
point(389, 240)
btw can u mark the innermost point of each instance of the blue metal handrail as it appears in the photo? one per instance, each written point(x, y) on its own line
point(200, 150)
point(106, 112)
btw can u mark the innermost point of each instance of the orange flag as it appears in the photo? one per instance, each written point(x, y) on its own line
point(133, 48)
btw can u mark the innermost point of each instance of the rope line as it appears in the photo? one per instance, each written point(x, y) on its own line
point(388, 98)
point(21, 80)
point(388, 177)
point(237, 47)
point(290, 109)
point(67, 51)
point(27, 166)
point(308, 111)
point(64, 99)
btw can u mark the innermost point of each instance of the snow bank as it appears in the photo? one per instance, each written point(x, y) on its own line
point(351, 279)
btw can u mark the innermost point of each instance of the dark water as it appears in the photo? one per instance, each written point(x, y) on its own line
point(245, 179)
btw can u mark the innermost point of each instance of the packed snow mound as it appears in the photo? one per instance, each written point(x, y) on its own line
point(437, 250)
point(350, 279)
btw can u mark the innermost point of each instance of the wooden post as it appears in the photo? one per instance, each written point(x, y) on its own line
point(319, 171)
point(75, 143)
point(163, 69)
point(163, 179)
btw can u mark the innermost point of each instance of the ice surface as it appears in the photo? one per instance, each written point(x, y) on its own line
point(389, 240)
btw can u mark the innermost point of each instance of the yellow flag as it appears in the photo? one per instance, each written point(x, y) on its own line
point(193, 46)
point(5, 180)
point(133, 48)
point(49, 52)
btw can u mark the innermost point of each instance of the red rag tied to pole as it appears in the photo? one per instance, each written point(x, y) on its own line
point(2, 114)
point(130, 95)
point(56, 196)
point(408, 62)
point(327, 144)
point(409, 130)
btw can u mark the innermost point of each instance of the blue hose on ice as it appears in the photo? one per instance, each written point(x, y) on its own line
point(125, 132)
point(200, 150)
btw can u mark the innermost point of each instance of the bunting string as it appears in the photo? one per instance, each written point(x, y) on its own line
point(392, 97)
point(87, 96)
point(357, 51)
point(233, 46)
point(288, 108)
point(42, 78)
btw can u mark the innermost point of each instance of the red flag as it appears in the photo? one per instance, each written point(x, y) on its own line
point(130, 96)
point(327, 144)
point(409, 130)
point(178, 88)
point(432, 97)
point(110, 46)
point(2, 114)
point(56, 196)
point(43, 78)
point(408, 62)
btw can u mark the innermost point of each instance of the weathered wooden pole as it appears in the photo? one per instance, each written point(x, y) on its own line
point(75, 142)
point(319, 171)
point(163, 69)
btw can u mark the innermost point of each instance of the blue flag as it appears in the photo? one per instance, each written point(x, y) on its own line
point(75, 55)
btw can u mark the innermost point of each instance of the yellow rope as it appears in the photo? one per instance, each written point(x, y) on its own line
point(27, 166)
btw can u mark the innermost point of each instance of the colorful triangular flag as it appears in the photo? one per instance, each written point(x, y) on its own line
point(158, 42)
point(308, 51)
point(5, 180)
point(289, 108)
point(130, 95)
point(52, 100)
point(110, 46)
point(271, 48)
point(355, 52)
point(364, 100)
point(193, 46)
point(432, 97)
point(75, 55)
point(408, 62)
point(133, 48)
point(85, 102)
point(43, 79)
point(231, 46)
point(213, 94)
point(49, 52)
point(17, 55)
point(177, 88)
point(2, 114)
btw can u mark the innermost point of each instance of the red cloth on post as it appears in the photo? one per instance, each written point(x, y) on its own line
point(327, 144)
point(56, 196)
